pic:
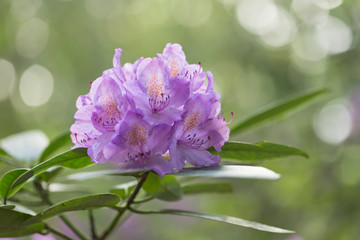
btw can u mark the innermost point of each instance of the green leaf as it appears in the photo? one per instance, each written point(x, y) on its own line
point(100, 173)
point(260, 151)
point(74, 159)
point(125, 189)
point(13, 224)
point(277, 110)
point(76, 204)
point(229, 171)
point(166, 188)
point(62, 140)
point(226, 219)
point(211, 187)
point(8, 179)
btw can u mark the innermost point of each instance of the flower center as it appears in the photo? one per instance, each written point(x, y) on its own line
point(174, 69)
point(155, 86)
point(110, 115)
point(192, 120)
point(109, 105)
point(137, 135)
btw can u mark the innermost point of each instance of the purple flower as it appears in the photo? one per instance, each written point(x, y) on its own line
point(158, 96)
point(140, 145)
point(136, 113)
point(98, 114)
point(199, 129)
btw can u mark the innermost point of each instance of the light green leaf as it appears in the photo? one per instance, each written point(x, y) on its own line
point(166, 188)
point(6, 158)
point(125, 189)
point(76, 204)
point(25, 146)
point(74, 159)
point(8, 179)
point(229, 171)
point(277, 110)
point(211, 187)
point(60, 141)
point(226, 219)
point(13, 224)
point(260, 151)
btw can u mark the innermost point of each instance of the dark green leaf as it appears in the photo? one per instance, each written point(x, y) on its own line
point(124, 190)
point(74, 159)
point(8, 179)
point(50, 174)
point(211, 187)
point(166, 188)
point(227, 219)
point(82, 203)
point(260, 151)
point(60, 141)
point(277, 110)
point(250, 172)
point(7, 207)
point(14, 224)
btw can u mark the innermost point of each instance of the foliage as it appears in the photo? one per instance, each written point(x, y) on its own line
point(126, 197)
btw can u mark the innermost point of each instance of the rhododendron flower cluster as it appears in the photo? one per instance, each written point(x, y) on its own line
point(157, 113)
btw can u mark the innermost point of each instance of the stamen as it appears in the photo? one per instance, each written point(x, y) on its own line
point(195, 143)
point(82, 141)
point(139, 157)
point(232, 117)
point(159, 103)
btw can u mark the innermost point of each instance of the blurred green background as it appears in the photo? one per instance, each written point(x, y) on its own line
point(258, 50)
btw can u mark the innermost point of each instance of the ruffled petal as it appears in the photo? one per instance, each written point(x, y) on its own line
point(175, 58)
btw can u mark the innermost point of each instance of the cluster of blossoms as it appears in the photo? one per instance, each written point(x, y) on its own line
point(141, 115)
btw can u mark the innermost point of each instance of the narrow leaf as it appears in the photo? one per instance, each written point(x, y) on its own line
point(166, 188)
point(260, 151)
point(212, 187)
point(230, 171)
point(13, 224)
point(227, 219)
point(60, 141)
point(277, 110)
point(76, 204)
point(74, 159)
point(8, 179)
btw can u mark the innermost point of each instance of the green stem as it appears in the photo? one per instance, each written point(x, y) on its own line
point(52, 230)
point(45, 196)
point(146, 199)
point(73, 227)
point(127, 206)
point(92, 225)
